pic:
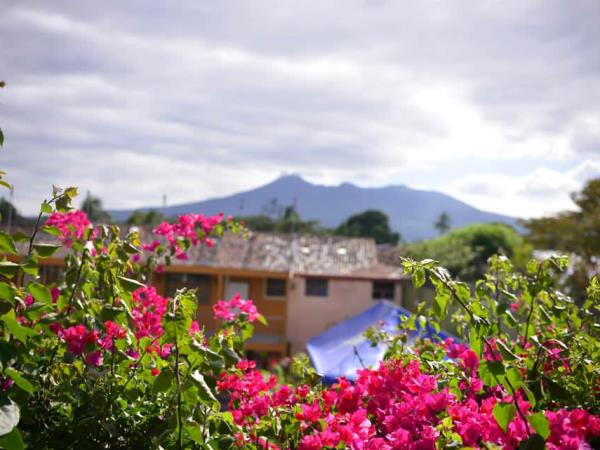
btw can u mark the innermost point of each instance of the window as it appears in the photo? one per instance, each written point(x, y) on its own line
point(201, 283)
point(383, 290)
point(275, 287)
point(50, 274)
point(316, 287)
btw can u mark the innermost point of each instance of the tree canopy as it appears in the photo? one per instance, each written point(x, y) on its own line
point(145, 218)
point(465, 251)
point(370, 223)
point(571, 231)
point(92, 206)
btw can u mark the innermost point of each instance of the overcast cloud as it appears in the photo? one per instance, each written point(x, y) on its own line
point(496, 103)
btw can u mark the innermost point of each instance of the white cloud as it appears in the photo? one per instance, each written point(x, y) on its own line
point(134, 99)
point(541, 192)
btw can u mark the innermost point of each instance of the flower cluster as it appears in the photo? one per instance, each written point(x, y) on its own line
point(89, 343)
point(196, 228)
point(72, 225)
point(397, 406)
point(231, 310)
point(148, 311)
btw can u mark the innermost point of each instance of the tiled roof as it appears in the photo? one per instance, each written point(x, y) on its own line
point(298, 254)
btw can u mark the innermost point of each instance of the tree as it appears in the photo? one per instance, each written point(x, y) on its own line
point(370, 223)
point(92, 206)
point(465, 251)
point(443, 223)
point(149, 218)
point(10, 214)
point(571, 231)
point(575, 232)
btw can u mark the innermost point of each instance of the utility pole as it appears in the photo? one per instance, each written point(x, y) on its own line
point(10, 209)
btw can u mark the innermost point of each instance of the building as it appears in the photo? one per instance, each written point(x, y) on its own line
point(302, 284)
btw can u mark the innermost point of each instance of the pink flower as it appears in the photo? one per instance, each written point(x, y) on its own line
point(94, 358)
point(71, 225)
point(148, 311)
point(77, 337)
point(231, 310)
point(55, 293)
point(194, 328)
point(133, 354)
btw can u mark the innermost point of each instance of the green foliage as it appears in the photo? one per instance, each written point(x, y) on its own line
point(443, 223)
point(287, 222)
point(465, 251)
point(59, 399)
point(545, 344)
point(573, 232)
point(92, 206)
point(149, 218)
point(372, 224)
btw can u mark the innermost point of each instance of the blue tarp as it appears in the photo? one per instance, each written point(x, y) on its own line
point(342, 349)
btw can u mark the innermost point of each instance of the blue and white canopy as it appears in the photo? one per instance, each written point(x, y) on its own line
point(343, 349)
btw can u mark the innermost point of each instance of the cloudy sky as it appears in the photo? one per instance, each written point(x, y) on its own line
point(496, 103)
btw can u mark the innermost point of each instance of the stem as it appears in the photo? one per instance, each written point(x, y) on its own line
point(491, 350)
point(77, 280)
point(536, 280)
point(135, 367)
point(178, 380)
point(33, 235)
point(362, 363)
point(528, 319)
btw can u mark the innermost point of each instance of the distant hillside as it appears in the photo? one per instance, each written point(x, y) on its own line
point(411, 211)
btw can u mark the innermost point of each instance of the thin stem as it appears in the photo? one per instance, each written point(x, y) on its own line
point(178, 381)
point(536, 280)
point(362, 363)
point(33, 235)
point(77, 280)
point(491, 350)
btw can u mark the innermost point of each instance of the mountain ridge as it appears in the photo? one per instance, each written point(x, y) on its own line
point(412, 212)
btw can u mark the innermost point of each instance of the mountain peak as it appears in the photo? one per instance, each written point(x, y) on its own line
point(411, 212)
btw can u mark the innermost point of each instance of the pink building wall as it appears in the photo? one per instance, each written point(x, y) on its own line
point(310, 316)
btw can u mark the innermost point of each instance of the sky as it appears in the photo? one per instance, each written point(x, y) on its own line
point(495, 103)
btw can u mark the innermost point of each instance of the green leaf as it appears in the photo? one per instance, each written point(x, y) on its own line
point(262, 320)
point(40, 293)
point(128, 284)
point(534, 442)
point(46, 208)
point(512, 378)
point(18, 330)
point(504, 413)
point(440, 304)
point(8, 269)
point(162, 382)
point(1, 138)
point(418, 277)
point(540, 424)
point(20, 380)
point(12, 440)
point(7, 244)
point(507, 354)
point(9, 416)
point(204, 390)
point(30, 265)
point(45, 250)
point(490, 372)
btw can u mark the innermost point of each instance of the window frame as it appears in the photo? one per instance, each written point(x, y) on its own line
point(181, 275)
point(373, 290)
point(276, 297)
point(316, 279)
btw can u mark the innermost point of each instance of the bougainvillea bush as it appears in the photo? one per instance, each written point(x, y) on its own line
point(101, 360)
